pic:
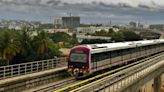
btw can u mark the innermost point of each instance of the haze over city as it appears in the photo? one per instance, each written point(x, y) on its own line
point(90, 11)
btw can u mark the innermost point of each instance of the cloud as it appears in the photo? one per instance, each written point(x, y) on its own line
point(84, 5)
point(155, 4)
point(88, 9)
point(121, 3)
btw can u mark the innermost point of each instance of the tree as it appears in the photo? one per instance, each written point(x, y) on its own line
point(19, 46)
point(93, 41)
point(46, 26)
point(131, 36)
point(67, 40)
point(100, 33)
point(25, 42)
point(117, 36)
point(61, 37)
point(8, 45)
point(74, 40)
point(42, 43)
point(110, 32)
point(53, 51)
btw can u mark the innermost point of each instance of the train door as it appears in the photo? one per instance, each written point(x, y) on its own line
point(94, 59)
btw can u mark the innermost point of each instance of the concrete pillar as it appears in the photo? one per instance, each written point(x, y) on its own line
point(157, 84)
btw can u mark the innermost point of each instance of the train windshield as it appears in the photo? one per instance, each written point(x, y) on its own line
point(78, 57)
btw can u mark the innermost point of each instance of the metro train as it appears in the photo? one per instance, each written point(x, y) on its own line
point(84, 60)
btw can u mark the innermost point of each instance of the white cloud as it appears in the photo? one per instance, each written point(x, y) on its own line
point(115, 9)
point(133, 3)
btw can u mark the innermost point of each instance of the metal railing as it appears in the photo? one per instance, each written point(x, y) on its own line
point(132, 77)
point(32, 67)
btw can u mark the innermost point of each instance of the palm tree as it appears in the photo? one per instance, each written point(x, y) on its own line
point(42, 43)
point(25, 42)
point(8, 45)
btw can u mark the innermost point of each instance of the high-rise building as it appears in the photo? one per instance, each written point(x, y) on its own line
point(58, 21)
point(70, 22)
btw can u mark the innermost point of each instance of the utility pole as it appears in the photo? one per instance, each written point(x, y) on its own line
point(110, 23)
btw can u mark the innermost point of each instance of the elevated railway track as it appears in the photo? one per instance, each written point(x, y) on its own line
point(109, 78)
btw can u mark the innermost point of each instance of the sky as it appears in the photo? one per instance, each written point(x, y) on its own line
point(90, 11)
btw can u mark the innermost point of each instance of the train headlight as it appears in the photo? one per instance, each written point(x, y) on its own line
point(81, 70)
point(76, 70)
point(84, 72)
point(84, 67)
point(71, 66)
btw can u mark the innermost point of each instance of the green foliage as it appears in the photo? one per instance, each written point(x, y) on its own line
point(25, 42)
point(68, 40)
point(54, 50)
point(74, 40)
point(118, 36)
point(100, 33)
point(122, 35)
point(150, 35)
point(131, 36)
point(61, 37)
point(93, 41)
point(43, 45)
point(103, 33)
point(19, 46)
point(8, 45)
point(46, 26)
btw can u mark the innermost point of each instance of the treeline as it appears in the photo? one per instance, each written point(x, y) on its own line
point(118, 36)
point(22, 46)
point(64, 40)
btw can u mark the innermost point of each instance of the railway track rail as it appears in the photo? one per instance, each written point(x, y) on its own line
point(113, 73)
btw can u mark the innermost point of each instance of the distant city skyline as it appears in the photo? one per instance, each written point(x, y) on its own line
point(90, 11)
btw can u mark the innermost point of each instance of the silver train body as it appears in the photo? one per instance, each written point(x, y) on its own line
point(101, 56)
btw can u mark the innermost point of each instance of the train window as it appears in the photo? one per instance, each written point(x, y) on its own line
point(125, 51)
point(95, 57)
point(141, 48)
point(147, 47)
point(100, 56)
point(133, 50)
point(118, 52)
point(114, 54)
point(128, 51)
point(107, 55)
point(137, 49)
point(78, 57)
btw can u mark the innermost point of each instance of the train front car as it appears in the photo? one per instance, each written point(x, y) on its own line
point(78, 61)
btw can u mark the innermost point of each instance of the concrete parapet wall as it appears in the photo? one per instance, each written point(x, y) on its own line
point(30, 80)
point(136, 85)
